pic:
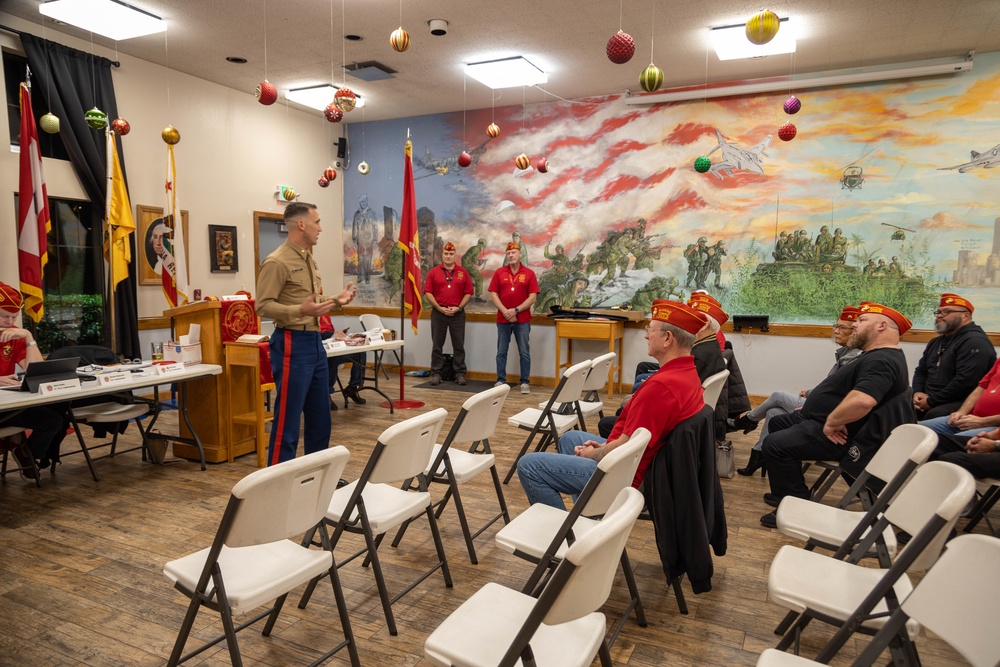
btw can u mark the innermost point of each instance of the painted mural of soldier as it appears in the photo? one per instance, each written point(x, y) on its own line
point(696, 255)
point(393, 272)
point(657, 288)
point(716, 253)
point(824, 243)
point(516, 238)
point(472, 263)
point(559, 260)
point(364, 233)
point(780, 252)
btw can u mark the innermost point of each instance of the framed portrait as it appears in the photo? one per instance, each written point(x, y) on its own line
point(155, 239)
point(222, 248)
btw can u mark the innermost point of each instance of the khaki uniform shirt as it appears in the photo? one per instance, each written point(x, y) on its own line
point(287, 277)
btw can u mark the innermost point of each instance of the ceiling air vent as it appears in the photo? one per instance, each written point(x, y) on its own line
point(370, 70)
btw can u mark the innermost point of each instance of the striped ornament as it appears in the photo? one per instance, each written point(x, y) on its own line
point(762, 27)
point(493, 130)
point(400, 39)
point(522, 161)
point(651, 78)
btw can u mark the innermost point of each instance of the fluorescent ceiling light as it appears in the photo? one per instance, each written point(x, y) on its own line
point(109, 18)
point(730, 42)
point(317, 97)
point(506, 73)
point(803, 82)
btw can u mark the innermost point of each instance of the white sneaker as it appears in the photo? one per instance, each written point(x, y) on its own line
point(525, 389)
point(499, 383)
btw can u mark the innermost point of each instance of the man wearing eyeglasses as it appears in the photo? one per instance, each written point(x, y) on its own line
point(448, 289)
point(954, 362)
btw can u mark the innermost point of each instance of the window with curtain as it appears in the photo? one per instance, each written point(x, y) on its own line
point(13, 69)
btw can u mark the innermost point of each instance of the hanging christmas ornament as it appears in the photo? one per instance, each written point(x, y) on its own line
point(702, 164)
point(762, 27)
point(323, 182)
point(621, 48)
point(464, 160)
point(96, 118)
point(50, 123)
point(651, 78)
point(330, 174)
point(792, 105)
point(345, 99)
point(170, 135)
point(400, 39)
point(363, 168)
point(120, 127)
point(787, 132)
point(333, 114)
point(266, 93)
point(493, 130)
point(522, 161)
point(542, 166)
point(287, 193)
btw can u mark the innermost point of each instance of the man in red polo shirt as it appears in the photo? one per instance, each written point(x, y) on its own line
point(513, 290)
point(448, 288)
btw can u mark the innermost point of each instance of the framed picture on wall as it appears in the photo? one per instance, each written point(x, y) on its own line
point(155, 240)
point(222, 248)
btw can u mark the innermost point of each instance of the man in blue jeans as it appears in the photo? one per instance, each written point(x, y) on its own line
point(513, 290)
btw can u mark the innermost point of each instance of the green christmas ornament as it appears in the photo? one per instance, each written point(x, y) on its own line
point(96, 118)
point(50, 123)
point(651, 78)
point(702, 164)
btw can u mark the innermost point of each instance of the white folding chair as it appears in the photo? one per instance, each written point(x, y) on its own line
point(712, 387)
point(988, 492)
point(110, 413)
point(475, 425)
point(548, 422)
point(859, 598)
point(373, 505)
point(370, 321)
point(838, 529)
point(11, 437)
point(954, 601)
point(590, 405)
point(498, 626)
point(252, 560)
point(542, 534)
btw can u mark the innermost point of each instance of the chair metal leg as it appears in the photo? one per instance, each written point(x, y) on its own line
point(786, 622)
point(376, 566)
point(227, 619)
point(439, 546)
point(604, 653)
point(679, 595)
point(794, 632)
point(83, 448)
point(982, 508)
point(524, 448)
point(185, 631)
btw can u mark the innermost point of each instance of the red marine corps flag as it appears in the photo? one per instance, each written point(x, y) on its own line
point(410, 244)
point(33, 222)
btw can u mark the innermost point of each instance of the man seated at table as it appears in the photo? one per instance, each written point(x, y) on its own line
point(670, 396)
point(47, 423)
point(357, 360)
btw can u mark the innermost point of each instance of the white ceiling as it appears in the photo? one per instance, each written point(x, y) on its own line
point(564, 37)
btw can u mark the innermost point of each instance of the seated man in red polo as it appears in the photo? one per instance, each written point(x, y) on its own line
point(47, 423)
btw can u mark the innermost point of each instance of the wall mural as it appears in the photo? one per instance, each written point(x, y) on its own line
point(887, 193)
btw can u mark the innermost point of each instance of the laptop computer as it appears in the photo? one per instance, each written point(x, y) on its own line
point(52, 370)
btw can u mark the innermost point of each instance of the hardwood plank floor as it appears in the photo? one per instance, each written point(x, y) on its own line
point(81, 562)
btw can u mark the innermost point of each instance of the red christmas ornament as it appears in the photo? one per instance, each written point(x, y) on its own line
point(493, 130)
point(621, 48)
point(542, 166)
point(464, 159)
point(522, 161)
point(345, 99)
point(120, 126)
point(266, 93)
point(330, 174)
point(787, 132)
point(323, 182)
point(333, 114)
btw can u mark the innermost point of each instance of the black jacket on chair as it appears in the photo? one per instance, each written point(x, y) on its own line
point(684, 499)
point(894, 412)
point(736, 388)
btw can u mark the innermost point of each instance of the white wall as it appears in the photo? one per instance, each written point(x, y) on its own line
point(232, 153)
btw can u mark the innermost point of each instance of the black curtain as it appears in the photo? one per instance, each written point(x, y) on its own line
point(74, 82)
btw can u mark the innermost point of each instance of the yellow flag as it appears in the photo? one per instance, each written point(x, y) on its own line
point(119, 218)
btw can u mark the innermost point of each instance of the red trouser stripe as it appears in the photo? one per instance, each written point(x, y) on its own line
point(286, 363)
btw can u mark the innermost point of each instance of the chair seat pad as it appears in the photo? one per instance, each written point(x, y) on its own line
point(588, 408)
point(387, 506)
point(463, 464)
point(254, 575)
point(9, 431)
point(805, 520)
point(111, 412)
point(480, 631)
point(774, 658)
point(528, 417)
point(800, 580)
point(532, 530)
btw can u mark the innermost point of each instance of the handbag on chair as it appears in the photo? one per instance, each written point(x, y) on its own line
point(725, 459)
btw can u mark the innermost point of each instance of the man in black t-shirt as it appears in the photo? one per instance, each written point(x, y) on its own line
point(839, 406)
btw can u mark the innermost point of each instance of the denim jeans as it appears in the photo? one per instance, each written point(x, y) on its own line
point(520, 331)
point(546, 475)
point(940, 425)
point(778, 403)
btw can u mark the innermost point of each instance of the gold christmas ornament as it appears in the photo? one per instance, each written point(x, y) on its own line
point(50, 123)
point(171, 135)
point(522, 161)
point(762, 27)
point(493, 130)
point(399, 39)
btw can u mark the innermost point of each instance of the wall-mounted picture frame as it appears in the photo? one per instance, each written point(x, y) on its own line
point(154, 239)
point(222, 248)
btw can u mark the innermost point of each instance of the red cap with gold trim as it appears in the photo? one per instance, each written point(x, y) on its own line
point(449, 246)
point(901, 320)
point(849, 314)
point(10, 298)
point(707, 304)
point(513, 246)
point(955, 301)
point(679, 314)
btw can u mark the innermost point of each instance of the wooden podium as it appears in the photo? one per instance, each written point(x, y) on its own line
point(207, 398)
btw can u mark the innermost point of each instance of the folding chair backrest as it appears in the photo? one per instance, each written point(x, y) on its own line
point(406, 447)
point(937, 488)
point(595, 557)
point(907, 442)
point(619, 467)
point(287, 499)
point(479, 416)
point(597, 377)
point(371, 321)
point(712, 387)
point(959, 600)
point(570, 387)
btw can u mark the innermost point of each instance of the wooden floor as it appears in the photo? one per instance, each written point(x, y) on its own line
point(81, 562)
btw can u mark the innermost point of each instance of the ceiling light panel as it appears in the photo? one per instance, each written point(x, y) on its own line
point(506, 73)
point(730, 42)
point(110, 18)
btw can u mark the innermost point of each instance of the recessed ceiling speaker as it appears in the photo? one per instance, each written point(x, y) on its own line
point(439, 27)
point(342, 147)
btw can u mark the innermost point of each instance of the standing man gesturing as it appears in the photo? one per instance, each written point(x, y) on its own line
point(513, 290)
point(448, 289)
point(290, 292)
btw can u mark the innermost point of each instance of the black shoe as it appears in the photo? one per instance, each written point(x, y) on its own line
point(435, 380)
point(756, 462)
point(352, 393)
point(743, 422)
point(770, 520)
point(25, 461)
point(772, 499)
point(333, 405)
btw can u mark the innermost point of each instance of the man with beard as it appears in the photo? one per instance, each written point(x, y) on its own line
point(954, 362)
point(839, 406)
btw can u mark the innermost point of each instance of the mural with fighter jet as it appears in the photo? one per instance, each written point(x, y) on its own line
point(445, 165)
point(735, 158)
point(987, 160)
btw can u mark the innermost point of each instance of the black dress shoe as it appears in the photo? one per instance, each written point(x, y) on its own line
point(25, 461)
point(352, 393)
point(743, 422)
point(772, 499)
point(770, 520)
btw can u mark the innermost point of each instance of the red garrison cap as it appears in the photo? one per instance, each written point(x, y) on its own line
point(679, 314)
point(849, 314)
point(708, 305)
point(513, 246)
point(10, 298)
point(901, 320)
point(449, 246)
point(954, 300)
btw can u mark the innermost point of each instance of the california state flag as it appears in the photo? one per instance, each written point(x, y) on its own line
point(33, 222)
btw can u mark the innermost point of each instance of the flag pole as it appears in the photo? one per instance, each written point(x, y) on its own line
point(109, 236)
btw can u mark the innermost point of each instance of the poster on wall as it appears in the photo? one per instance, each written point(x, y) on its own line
point(887, 193)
